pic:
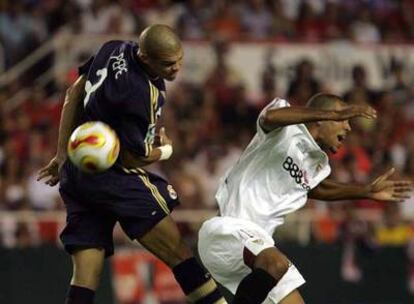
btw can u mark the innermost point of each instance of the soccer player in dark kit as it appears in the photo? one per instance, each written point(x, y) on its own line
point(123, 86)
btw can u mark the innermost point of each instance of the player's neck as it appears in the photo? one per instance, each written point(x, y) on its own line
point(151, 75)
point(314, 131)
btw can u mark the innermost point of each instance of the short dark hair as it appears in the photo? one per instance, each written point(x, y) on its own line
point(158, 38)
point(324, 101)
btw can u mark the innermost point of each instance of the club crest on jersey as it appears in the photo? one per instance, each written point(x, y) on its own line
point(158, 113)
point(258, 241)
point(149, 137)
point(319, 167)
point(172, 192)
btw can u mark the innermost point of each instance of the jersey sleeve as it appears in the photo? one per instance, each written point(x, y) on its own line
point(274, 104)
point(84, 68)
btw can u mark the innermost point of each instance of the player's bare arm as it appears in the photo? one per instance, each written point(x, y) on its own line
point(162, 152)
point(70, 114)
point(280, 117)
point(381, 189)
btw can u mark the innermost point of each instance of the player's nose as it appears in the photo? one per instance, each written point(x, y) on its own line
point(347, 126)
point(177, 66)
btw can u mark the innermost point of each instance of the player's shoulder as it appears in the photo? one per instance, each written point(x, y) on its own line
point(108, 48)
point(126, 76)
point(118, 50)
point(125, 53)
point(277, 102)
point(112, 45)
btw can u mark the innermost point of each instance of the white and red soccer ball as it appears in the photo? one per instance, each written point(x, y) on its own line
point(93, 147)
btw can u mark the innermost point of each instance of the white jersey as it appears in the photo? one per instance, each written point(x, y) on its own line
point(273, 175)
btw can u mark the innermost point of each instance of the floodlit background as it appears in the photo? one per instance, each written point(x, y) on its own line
point(239, 55)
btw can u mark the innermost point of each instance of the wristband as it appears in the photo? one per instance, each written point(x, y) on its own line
point(166, 152)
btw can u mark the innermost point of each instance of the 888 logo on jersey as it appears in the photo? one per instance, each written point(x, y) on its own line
point(295, 172)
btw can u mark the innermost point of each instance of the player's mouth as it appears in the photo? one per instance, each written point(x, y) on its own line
point(171, 76)
point(341, 138)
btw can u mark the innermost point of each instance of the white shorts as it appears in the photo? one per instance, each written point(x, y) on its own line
point(220, 245)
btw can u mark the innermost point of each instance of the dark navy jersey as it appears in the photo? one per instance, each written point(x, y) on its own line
point(120, 93)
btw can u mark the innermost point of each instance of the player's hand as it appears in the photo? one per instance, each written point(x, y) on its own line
point(164, 139)
point(51, 171)
point(382, 189)
point(353, 111)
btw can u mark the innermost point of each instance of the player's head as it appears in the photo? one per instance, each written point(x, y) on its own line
point(329, 134)
point(161, 51)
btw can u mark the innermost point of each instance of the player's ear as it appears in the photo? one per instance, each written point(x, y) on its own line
point(143, 57)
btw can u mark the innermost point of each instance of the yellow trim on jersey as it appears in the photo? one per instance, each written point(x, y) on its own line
point(151, 101)
point(134, 170)
point(154, 94)
point(142, 171)
point(155, 193)
point(221, 301)
point(148, 147)
point(202, 291)
point(157, 94)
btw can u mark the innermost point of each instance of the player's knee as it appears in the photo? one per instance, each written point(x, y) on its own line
point(274, 264)
point(177, 253)
point(87, 268)
point(173, 251)
point(166, 242)
point(87, 277)
point(184, 251)
point(278, 269)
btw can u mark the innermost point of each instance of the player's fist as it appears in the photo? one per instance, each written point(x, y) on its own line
point(164, 139)
point(353, 111)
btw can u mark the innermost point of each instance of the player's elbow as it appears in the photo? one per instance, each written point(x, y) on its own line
point(320, 193)
point(269, 121)
point(317, 193)
point(146, 160)
point(130, 159)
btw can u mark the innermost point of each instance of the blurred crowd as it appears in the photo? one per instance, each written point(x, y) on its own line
point(25, 24)
point(211, 123)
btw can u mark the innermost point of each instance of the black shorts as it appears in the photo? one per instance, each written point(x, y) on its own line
point(138, 200)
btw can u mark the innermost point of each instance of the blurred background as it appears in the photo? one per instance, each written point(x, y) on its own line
point(239, 55)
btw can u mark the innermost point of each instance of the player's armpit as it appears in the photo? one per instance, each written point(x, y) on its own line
point(316, 193)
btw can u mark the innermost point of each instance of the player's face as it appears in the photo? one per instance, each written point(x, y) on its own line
point(167, 65)
point(333, 133)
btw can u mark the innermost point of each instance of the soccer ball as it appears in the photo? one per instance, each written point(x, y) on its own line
point(93, 147)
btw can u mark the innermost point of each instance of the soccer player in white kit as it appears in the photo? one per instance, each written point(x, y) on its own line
point(283, 165)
